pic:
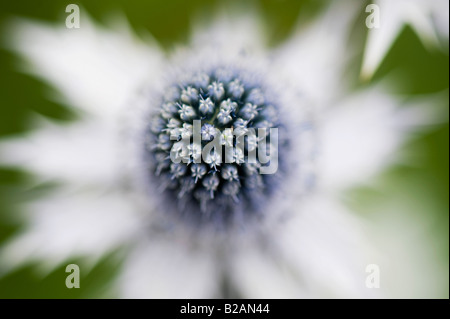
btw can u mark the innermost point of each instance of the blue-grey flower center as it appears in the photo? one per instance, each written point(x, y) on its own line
point(227, 110)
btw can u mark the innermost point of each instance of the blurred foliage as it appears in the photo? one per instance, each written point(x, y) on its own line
point(28, 282)
point(421, 71)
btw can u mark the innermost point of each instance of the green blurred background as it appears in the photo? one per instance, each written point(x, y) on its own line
point(421, 189)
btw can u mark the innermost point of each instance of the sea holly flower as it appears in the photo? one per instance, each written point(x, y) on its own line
point(130, 175)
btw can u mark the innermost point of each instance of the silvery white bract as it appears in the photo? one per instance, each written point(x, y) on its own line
point(429, 19)
point(291, 237)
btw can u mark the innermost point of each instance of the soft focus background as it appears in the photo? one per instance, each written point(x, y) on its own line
point(410, 202)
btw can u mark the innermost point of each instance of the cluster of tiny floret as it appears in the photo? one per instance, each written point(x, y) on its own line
point(227, 107)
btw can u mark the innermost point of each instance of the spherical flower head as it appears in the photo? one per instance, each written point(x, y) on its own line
point(210, 137)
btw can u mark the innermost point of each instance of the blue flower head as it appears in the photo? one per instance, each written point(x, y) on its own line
point(223, 185)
